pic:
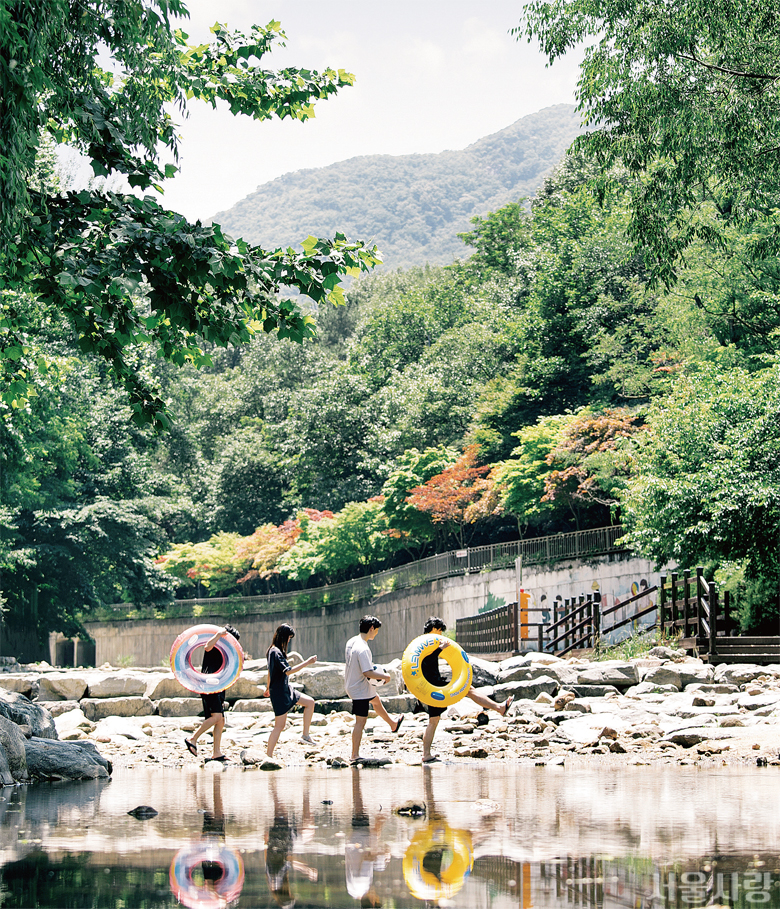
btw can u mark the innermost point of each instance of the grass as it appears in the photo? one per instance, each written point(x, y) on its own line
point(638, 645)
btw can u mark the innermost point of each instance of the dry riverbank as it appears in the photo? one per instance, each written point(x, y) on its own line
point(662, 709)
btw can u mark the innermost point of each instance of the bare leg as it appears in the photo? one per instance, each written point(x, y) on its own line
point(357, 735)
point(487, 704)
point(379, 709)
point(219, 725)
point(308, 712)
point(204, 727)
point(430, 732)
point(273, 738)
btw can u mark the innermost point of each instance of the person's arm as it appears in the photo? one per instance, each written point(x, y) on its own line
point(212, 641)
point(291, 669)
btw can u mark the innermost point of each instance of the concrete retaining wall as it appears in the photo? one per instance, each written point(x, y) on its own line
point(403, 612)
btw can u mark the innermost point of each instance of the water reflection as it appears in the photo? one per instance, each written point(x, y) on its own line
point(208, 874)
point(489, 836)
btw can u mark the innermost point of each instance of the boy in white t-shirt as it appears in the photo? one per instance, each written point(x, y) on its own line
point(358, 669)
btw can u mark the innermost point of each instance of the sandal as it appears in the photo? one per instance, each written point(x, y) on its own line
point(191, 747)
point(222, 758)
point(398, 724)
point(508, 704)
point(431, 760)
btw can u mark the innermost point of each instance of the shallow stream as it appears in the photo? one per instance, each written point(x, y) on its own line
point(471, 836)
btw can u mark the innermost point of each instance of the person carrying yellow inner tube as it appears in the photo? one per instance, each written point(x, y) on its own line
point(429, 666)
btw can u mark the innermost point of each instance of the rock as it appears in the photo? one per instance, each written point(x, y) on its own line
point(687, 738)
point(530, 689)
point(178, 707)
point(620, 673)
point(270, 764)
point(470, 752)
point(649, 688)
point(694, 672)
point(58, 708)
point(526, 673)
point(248, 685)
point(53, 760)
point(119, 685)
point(729, 721)
point(563, 699)
point(369, 762)
point(738, 674)
point(21, 684)
point(113, 726)
point(61, 687)
point(703, 702)
point(667, 653)
point(165, 686)
point(343, 705)
point(143, 812)
point(20, 710)
point(323, 681)
point(587, 729)
point(608, 733)
point(69, 722)
point(753, 702)
point(595, 691)
point(484, 672)
point(252, 756)
point(12, 749)
point(95, 709)
point(252, 705)
point(411, 809)
point(543, 698)
point(617, 748)
point(665, 675)
point(578, 707)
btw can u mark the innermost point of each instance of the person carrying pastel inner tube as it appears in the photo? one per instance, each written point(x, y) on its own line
point(283, 696)
point(429, 666)
point(214, 702)
point(358, 669)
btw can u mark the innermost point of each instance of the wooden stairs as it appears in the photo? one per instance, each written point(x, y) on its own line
point(759, 651)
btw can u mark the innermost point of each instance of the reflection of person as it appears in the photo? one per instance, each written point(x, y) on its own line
point(283, 697)
point(429, 666)
point(358, 669)
point(279, 845)
point(362, 854)
point(213, 703)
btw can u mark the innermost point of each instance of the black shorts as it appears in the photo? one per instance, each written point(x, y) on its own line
point(360, 707)
point(213, 703)
point(434, 711)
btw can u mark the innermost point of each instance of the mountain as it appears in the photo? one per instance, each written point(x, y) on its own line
point(411, 206)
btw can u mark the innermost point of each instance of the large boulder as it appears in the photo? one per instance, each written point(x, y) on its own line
point(20, 710)
point(247, 685)
point(484, 672)
point(663, 675)
point(322, 681)
point(741, 674)
point(99, 708)
point(179, 707)
point(165, 686)
point(61, 687)
point(251, 705)
point(14, 765)
point(620, 673)
point(117, 685)
point(51, 760)
point(526, 690)
point(22, 684)
point(694, 672)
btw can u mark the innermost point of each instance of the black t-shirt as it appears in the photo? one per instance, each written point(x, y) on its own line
point(212, 660)
point(430, 669)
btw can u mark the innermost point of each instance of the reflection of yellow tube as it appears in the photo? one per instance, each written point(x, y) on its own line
point(411, 667)
point(437, 862)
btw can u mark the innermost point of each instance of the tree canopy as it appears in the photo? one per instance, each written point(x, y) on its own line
point(684, 97)
point(123, 272)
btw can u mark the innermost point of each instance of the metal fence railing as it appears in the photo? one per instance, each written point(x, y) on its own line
point(493, 556)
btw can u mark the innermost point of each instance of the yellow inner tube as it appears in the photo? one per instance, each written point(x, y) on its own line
point(437, 862)
point(420, 687)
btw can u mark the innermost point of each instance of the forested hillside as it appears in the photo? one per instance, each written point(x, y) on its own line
point(411, 206)
point(609, 352)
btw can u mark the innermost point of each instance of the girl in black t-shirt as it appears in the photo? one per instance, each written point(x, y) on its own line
point(283, 697)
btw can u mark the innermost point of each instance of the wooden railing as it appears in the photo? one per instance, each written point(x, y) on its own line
point(690, 607)
point(495, 632)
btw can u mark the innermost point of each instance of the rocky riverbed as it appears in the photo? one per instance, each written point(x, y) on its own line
point(663, 708)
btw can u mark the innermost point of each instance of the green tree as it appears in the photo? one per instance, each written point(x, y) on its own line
point(684, 97)
point(706, 482)
point(101, 76)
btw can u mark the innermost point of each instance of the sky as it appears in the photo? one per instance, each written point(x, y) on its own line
point(431, 75)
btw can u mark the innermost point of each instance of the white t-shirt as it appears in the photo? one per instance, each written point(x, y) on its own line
point(358, 660)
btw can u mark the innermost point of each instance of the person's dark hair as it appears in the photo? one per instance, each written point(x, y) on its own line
point(282, 637)
point(368, 622)
point(231, 630)
point(434, 622)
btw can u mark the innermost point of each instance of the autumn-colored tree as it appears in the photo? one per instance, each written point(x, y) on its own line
point(586, 466)
point(268, 544)
point(449, 495)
